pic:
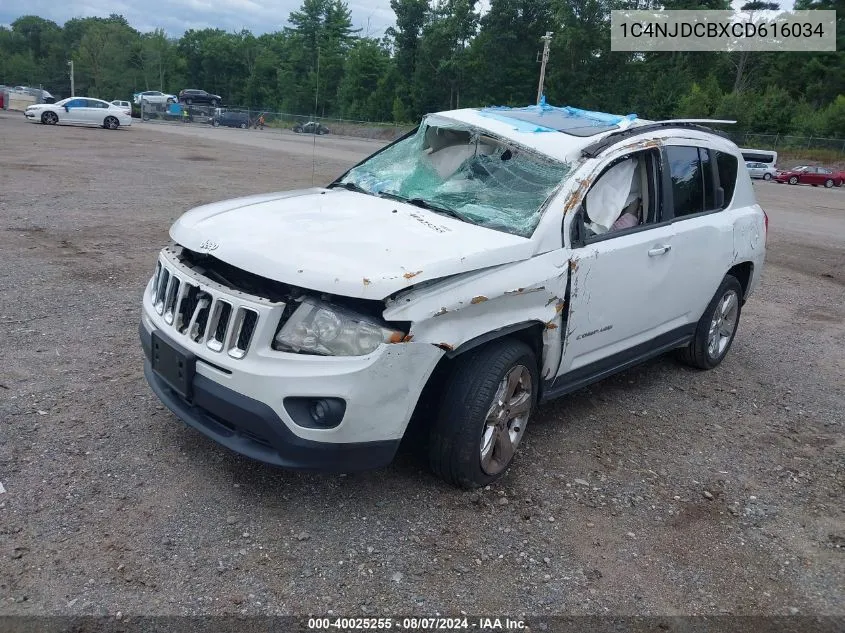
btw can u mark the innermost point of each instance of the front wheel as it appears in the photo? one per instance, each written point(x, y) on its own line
point(215, 123)
point(828, 183)
point(767, 176)
point(793, 180)
point(717, 327)
point(243, 126)
point(111, 123)
point(482, 415)
point(49, 118)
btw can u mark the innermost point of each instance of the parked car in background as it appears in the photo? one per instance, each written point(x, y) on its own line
point(190, 96)
point(306, 328)
point(154, 97)
point(809, 175)
point(80, 111)
point(311, 127)
point(123, 104)
point(761, 170)
point(231, 119)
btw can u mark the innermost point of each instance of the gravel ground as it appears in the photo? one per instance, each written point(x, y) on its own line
point(659, 491)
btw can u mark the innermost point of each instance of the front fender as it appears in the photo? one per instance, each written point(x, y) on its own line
point(467, 308)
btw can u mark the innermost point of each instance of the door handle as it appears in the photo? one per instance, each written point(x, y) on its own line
point(659, 250)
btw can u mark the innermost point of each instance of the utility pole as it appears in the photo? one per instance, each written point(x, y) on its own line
point(547, 40)
point(72, 90)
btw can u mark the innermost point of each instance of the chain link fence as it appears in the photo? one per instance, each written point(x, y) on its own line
point(248, 118)
point(796, 148)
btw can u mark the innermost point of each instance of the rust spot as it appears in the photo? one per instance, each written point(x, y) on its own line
point(479, 299)
point(576, 195)
point(367, 282)
point(441, 312)
point(559, 307)
point(515, 292)
point(445, 346)
point(412, 275)
point(396, 337)
point(551, 326)
point(408, 338)
point(573, 265)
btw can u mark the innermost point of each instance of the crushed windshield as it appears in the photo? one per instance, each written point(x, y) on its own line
point(462, 172)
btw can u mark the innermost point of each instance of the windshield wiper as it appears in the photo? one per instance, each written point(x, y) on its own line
point(425, 204)
point(351, 186)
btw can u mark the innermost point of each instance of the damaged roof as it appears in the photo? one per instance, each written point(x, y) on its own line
point(559, 132)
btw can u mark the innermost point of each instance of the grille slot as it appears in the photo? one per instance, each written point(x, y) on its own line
point(201, 314)
point(170, 297)
point(218, 324)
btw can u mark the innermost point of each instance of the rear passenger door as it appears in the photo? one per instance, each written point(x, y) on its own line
point(702, 184)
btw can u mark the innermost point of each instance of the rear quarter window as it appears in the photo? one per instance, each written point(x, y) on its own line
point(726, 165)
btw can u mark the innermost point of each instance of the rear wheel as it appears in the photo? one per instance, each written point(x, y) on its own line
point(767, 176)
point(828, 183)
point(215, 123)
point(793, 180)
point(488, 400)
point(716, 329)
point(49, 118)
point(243, 126)
point(111, 123)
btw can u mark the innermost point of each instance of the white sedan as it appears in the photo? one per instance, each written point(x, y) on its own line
point(154, 96)
point(80, 111)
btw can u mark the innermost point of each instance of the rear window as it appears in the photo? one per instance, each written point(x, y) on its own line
point(726, 164)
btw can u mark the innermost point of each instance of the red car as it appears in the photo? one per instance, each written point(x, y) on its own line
point(808, 175)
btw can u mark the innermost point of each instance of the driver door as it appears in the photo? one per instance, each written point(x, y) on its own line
point(618, 304)
point(74, 112)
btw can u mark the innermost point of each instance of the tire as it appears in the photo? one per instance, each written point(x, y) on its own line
point(465, 449)
point(793, 180)
point(215, 123)
point(711, 341)
point(189, 101)
point(49, 118)
point(767, 176)
point(828, 183)
point(243, 126)
point(214, 103)
point(111, 123)
point(169, 101)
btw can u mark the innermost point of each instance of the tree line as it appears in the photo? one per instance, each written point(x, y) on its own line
point(440, 54)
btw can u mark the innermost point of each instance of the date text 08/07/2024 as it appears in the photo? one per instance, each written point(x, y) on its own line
point(416, 624)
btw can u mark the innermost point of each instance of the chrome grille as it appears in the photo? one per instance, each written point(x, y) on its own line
point(200, 314)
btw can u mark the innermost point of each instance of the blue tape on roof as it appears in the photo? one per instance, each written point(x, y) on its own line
point(547, 118)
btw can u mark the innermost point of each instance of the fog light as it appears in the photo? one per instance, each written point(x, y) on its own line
point(316, 413)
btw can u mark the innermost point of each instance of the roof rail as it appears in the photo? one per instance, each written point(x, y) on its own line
point(594, 149)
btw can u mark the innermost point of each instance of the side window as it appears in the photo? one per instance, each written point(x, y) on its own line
point(726, 166)
point(76, 103)
point(687, 176)
point(624, 198)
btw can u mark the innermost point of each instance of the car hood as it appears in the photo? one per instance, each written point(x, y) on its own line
point(343, 242)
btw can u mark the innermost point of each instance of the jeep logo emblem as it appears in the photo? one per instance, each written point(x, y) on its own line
point(208, 245)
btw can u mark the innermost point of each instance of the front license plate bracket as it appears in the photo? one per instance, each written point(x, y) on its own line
point(175, 366)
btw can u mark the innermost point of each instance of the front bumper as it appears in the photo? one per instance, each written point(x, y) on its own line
point(251, 428)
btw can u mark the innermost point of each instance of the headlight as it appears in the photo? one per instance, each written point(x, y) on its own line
point(329, 330)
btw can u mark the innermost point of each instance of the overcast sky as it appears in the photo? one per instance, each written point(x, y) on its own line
point(177, 16)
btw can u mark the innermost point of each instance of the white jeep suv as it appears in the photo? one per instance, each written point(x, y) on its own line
point(489, 261)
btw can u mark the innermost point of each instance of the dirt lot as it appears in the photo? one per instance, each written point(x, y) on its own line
point(660, 491)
